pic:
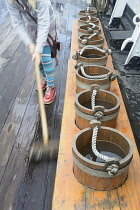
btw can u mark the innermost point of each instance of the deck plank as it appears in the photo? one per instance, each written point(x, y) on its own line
point(8, 47)
point(121, 198)
point(11, 80)
point(5, 30)
point(14, 120)
point(20, 140)
point(102, 200)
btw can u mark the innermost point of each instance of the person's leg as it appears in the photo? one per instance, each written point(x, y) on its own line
point(43, 78)
point(49, 73)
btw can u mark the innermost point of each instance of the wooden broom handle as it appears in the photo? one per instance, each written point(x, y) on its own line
point(41, 106)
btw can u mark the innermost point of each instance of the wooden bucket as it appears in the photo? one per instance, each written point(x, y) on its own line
point(88, 29)
point(106, 108)
point(94, 39)
point(92, 13)
point(94, 173)
point(89, 75)
point(86, 19)
point(91, 55)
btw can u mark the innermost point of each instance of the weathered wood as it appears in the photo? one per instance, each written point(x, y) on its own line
point(68, 192)
point(18, 137)
point(5, 30)
point(8, 48)
point(12, 82)
point(6, 24)
point(13, 122)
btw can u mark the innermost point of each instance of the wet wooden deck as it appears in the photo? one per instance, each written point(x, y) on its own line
point(68, 192)
point(23, 186)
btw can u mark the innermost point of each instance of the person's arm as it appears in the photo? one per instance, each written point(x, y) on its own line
point(43, 24)
point(18, 23)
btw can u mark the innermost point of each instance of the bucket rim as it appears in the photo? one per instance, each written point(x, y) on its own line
point(86, 35)
point(109, 72)
point(116, 107)
point(127, 158)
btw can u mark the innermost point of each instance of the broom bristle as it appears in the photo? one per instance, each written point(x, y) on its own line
point(41, 152)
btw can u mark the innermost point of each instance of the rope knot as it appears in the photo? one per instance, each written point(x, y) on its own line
point(112, 169)
point(98, 115)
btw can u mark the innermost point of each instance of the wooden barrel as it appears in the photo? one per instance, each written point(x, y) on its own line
point(90, 170)
point(92, 13)
point(102, 76)
point(106, 109)
point(88, 29)
point(97, 41)
point(91, 55)
point(85, 20)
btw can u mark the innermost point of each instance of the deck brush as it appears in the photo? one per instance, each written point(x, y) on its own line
point(42, 150)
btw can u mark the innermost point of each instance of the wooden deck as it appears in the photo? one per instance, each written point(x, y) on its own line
point(23, 186)
point(69, 194)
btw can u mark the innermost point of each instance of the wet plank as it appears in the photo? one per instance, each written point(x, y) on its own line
point(5, 30)
point(11, 83)
point(14, 121)
point(68, 192)
point(8, 47)
point(17, 164)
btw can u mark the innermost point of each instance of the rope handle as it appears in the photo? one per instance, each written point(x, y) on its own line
point(89, 18)
point(112, 166)
point(105, 51)
point(105, 76)
point(92, 25)
point(90, 47)
point(99, 114)
point(85, 40)
point(94, 93)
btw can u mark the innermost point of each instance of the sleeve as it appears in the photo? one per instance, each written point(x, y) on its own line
point(18, 23)
point(43, 24)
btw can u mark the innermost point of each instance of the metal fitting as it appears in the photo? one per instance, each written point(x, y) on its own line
point(90, 30)
point(75, 56)
point(113, 77)
point(84, 41)
point(98, 115)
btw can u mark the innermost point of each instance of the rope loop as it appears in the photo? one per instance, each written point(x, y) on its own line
point(104, 76)
point(113, 168)
point(94, 93)
point(91, 47)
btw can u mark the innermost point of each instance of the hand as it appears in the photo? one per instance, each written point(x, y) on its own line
point(36, 57)
point(31, 47)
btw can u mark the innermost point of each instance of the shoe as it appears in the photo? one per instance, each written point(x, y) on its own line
point(43, 84)
point(49, 95)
